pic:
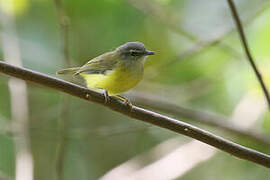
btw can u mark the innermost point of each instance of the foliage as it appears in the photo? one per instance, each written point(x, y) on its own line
point(216, 79)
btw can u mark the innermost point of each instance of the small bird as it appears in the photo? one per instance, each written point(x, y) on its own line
point(114, 72)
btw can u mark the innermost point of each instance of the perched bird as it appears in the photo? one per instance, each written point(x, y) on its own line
point(114, 72)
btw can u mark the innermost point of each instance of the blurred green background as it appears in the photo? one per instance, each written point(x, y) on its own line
point(205, 76)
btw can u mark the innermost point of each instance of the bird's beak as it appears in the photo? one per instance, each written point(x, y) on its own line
point(147, 53)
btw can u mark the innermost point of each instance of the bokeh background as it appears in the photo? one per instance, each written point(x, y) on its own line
point(199, 64)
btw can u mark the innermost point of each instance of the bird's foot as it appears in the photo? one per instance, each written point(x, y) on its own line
point(126, 101)
point(106, 95)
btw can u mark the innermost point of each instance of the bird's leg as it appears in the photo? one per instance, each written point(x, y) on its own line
point(126, 101)
point(106, 95)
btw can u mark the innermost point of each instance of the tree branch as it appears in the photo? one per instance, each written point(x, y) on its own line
point(209, 119)
point(138, 113)
point(246, 49)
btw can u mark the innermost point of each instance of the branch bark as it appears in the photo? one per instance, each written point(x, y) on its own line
point(138, 113)
point(210, 119)
point(246, 49)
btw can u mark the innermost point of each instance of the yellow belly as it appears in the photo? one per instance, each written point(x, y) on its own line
point(115, 82)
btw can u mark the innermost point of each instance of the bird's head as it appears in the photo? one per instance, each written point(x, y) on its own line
point(133, 51)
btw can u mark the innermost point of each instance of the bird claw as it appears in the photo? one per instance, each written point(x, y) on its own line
point(126, 101)
point(106, 95)
point(107, 98)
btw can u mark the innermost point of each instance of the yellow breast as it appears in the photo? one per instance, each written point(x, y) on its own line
point(117, 81)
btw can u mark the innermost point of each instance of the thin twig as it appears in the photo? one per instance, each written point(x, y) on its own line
point(246, 49)
point(138, 113)
point(202, 45)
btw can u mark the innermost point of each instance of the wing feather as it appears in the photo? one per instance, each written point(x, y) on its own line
point(100, 64)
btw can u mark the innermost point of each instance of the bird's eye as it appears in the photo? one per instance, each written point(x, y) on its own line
point(133, 53)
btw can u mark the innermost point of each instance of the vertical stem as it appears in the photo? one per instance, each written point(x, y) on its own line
point(19, 100)
point(63, 126)
point(246, 49)
point(64, 29)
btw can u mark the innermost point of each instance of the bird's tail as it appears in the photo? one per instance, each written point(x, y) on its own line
point(68, 70)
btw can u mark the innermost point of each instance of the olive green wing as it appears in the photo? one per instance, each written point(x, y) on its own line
point(99, 65)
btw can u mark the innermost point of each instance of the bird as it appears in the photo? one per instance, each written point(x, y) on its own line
point(114, 72)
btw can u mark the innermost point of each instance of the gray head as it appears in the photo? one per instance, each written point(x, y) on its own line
point(134, 50)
